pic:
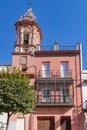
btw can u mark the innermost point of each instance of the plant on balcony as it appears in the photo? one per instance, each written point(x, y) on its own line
point(16, 94)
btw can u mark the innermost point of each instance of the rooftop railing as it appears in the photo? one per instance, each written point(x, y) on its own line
point(55, 48)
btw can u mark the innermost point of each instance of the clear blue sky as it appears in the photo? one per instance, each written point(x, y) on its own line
point(61, 20)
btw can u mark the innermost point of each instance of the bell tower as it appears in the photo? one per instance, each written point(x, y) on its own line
point(28, 41)
point(29, 35)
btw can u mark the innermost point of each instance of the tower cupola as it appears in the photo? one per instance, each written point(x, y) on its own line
point(28, 33)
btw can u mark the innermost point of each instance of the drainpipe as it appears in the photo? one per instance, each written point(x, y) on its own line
point(79, 47)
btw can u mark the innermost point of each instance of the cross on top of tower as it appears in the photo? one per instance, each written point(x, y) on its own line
point(29, 14)
point(29, 5)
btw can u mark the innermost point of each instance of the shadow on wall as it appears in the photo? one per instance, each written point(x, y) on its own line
point(78, 118)
point(85, 120)
point(76, 122)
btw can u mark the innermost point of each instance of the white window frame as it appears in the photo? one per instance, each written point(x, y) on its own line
point(64, 95)
point(46, 70)
point(23, 60)
point(46, 95)
point(64, 69)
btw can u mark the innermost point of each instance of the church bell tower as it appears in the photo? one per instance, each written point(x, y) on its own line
point(28, 41)
point(28, 34)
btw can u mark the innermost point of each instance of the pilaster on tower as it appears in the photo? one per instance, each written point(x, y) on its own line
point(29, 35)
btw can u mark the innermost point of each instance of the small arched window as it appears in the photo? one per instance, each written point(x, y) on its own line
point(25, 37)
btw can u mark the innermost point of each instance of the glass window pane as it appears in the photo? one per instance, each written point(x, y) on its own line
point(23, 60)
point(46, 70)
point(64, 69)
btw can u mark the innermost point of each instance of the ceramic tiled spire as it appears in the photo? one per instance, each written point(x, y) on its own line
point(29, 15)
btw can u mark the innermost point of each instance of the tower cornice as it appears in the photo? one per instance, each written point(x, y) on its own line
point(26, 23)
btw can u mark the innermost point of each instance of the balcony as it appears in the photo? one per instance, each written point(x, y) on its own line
point(60, 74)
point(64, 74)
point(45, 74)
point(54, 92)
point(55, 100)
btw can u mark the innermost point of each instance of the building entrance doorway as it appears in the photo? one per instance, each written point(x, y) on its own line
point(65, 122)
point(45, 123)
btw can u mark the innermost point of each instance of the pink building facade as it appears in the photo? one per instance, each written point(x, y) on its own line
point(55, 73)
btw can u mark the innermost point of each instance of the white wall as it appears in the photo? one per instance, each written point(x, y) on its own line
point(12, 125)
point(3, 67)
point(84, 92)
point(84, 86)
point(3, 117)
point(20, 124)
point(3, 120)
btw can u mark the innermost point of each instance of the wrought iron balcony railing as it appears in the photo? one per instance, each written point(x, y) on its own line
point(45, 74)
point(64, 73)
point(55, 99)
point(59, 74)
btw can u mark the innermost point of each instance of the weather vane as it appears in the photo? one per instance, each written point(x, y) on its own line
point(29, 5)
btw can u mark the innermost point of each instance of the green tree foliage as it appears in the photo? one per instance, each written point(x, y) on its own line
point(16, 93)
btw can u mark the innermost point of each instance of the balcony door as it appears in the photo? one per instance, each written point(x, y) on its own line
point(64, 69)
point(45, 95)
point(64, 95)
point(46, 70)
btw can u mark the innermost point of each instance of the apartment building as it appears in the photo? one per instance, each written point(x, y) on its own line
point(55, 72)
point(84, 92)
